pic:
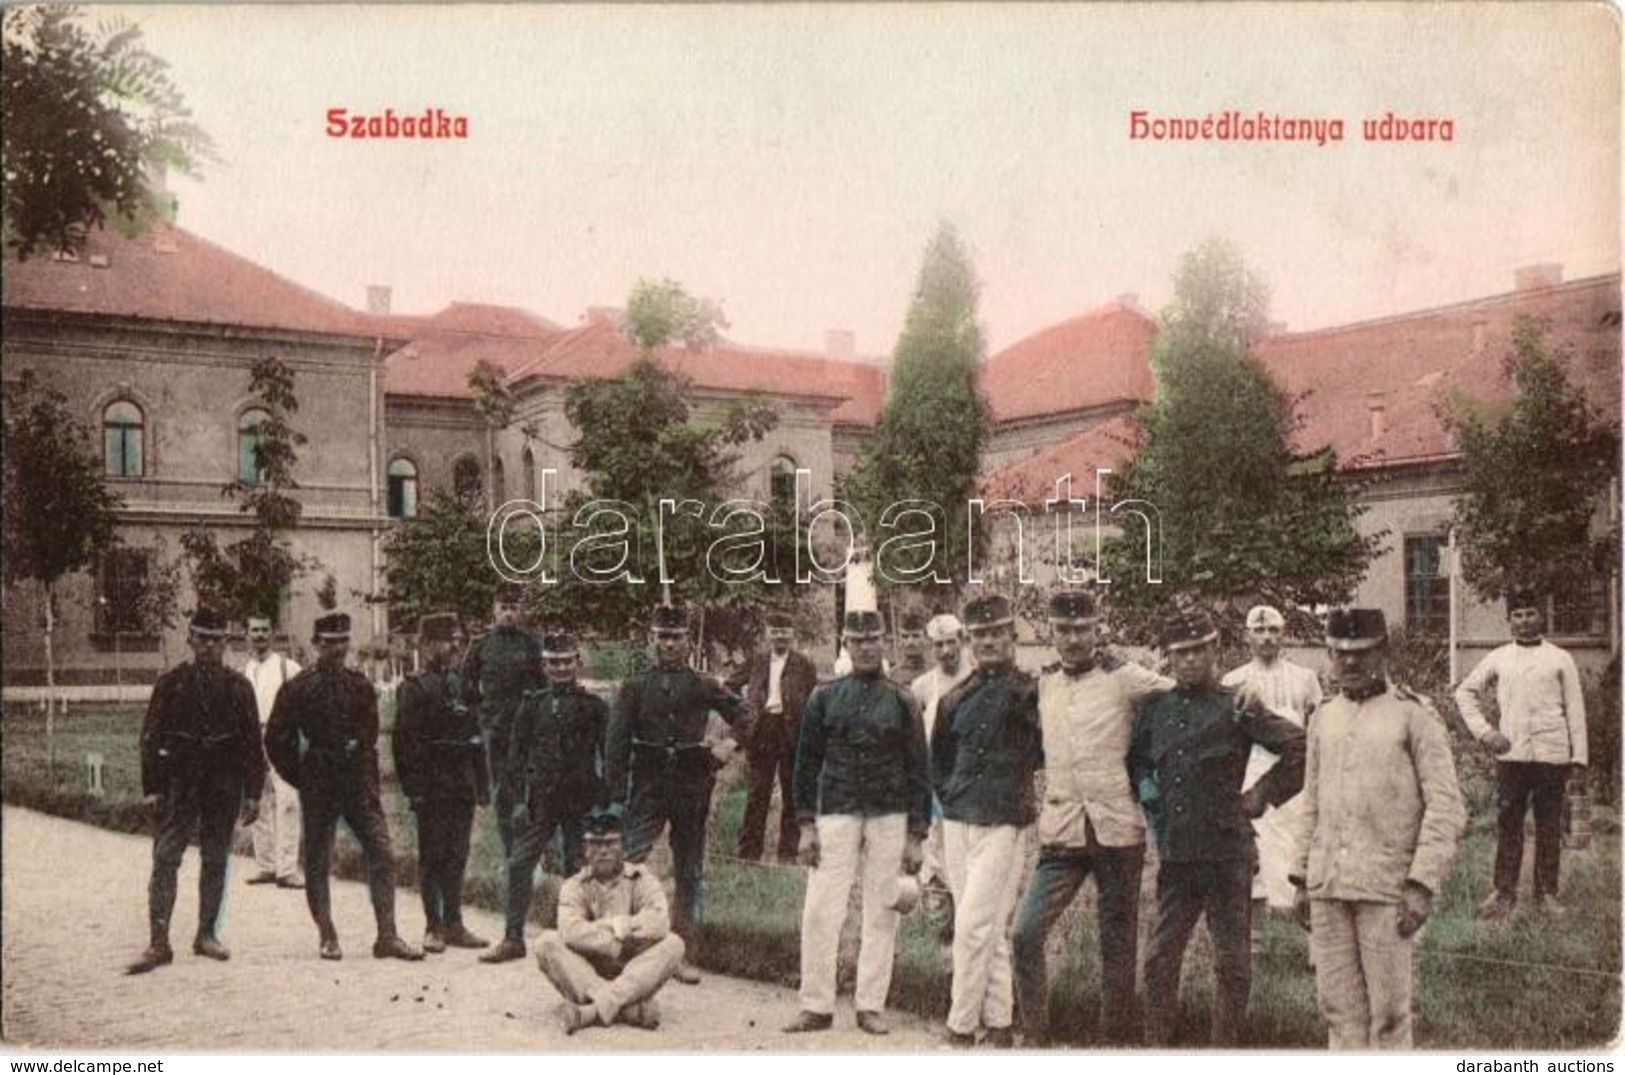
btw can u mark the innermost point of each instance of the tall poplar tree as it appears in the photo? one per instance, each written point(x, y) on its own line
point(927, 446)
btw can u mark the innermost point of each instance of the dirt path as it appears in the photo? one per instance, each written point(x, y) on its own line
point(75, 914)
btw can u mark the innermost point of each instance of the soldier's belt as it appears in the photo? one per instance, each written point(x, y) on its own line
point(670, 749)
point(473, 742)
point(337, 753)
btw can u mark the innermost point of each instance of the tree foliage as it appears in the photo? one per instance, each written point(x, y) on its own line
point(1534, 473)
point(927, 445)
point(438, 562)
point(1241, 516)
point(639, 441)
point(254, 575)
point(86, 114)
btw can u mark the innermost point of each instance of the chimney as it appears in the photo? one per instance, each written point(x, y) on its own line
point(840, 344)
point(1130, 300)
point(1377, 405)
point(1274, 328)
point(1537, 277)
point(378, 298)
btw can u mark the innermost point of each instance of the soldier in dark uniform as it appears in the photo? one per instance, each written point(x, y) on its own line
point(1187, 756)
point(500, 667)
point(323, 739)
point(556, 755)
point(440, 762)
point(863, 799)
point(911, 647)
point(201, 766)
point(659, 764)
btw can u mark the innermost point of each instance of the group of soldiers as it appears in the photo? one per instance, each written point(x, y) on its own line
point(887, 776)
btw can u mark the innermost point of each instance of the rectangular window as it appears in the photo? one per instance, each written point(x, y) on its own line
point(1582, 611)
point(121, 586)
point(1427, 587)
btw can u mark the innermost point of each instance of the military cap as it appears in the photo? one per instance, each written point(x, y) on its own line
point(943, 627)
point(781, 619)
point(438, 627)
point(862, 623)
point(208, 623)
point(1072, 606)
point(333, 627)
point(912, 622)
point(1186, 630)
point(601, 825)
point(559, 644)
point(989, 610)
point(669, 618)
point(1356, 628)
point(508, 593)
point(1264, 616)
point(1525, 597)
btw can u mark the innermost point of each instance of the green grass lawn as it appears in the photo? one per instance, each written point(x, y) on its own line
point(1531, 983)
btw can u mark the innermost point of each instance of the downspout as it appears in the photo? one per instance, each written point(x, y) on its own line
point(1455, 660)
point(378, 625)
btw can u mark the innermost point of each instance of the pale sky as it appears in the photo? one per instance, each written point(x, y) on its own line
point(792, 162)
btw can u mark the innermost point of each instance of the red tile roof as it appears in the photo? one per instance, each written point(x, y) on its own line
point(1032, 480)
point(169, 274)
point(446, 346)
point(1103, 356)
point(1410, 363)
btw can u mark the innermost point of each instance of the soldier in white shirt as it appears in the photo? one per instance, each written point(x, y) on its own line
point(1540, 743)
point(1292, 691)
point(276, 830)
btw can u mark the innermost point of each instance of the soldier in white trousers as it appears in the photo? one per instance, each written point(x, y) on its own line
point(862, 795)
point(276, 830)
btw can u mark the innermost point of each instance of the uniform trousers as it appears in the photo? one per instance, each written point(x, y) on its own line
point(1516, 783)
point(768, 762)
point(360, 810)
point(532, 836)
point(606, 983)
point(1060, 874)
point(275, 831)
point(1185, 891)
point(1362, 973)
point(843, 841)
point(444, 828)
point(984, 873)
point(659, 800)
point(211, 807)
point(502, 791)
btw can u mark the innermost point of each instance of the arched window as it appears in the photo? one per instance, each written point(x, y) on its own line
point(781, 479)
point(465, 479)
point(528, 460)
point(122, 428)
point(248, 443)
point(403, 489)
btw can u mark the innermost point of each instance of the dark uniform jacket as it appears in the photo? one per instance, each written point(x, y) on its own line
point(1187, 758)
point(500, 667)
point(201, 723)
point(776, 731)
point(862, 751)
point(985, 747)
point(439, 755)
point(323, 733)
point(658, 728)
point(557, 751)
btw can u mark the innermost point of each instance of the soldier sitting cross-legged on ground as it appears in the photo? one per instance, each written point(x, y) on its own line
point(614, 947)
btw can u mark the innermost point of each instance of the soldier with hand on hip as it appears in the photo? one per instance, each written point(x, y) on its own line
point(323, 739)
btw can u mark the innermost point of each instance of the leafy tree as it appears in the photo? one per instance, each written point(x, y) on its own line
point(86, 114)
point(438, 562)
point(1534, 472)
point(1241, 517)
point(253, 576)
point(58, 516)
point(639, 442)
point(928, 443)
